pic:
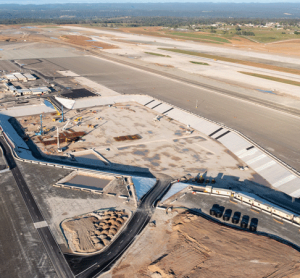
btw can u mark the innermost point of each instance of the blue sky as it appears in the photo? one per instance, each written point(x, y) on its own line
point(141, 1)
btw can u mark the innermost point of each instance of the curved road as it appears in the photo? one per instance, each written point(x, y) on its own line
point(91, 266)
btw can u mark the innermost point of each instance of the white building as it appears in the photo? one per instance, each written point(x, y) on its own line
point(12, 88)
point(20, 76)
point(29, 76)
point(11, 77)
point(36, 91)
point(24, 92)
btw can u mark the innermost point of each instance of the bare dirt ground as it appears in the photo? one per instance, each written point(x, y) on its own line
point(194, 247)
point(288, 47)
point(85, 41)
point(92, 232)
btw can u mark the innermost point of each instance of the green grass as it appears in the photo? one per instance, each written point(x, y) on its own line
point(215, 57)
point(199, 63)
point(201, 36)
point(281, 80)
point(267, 35)
point(158, 54)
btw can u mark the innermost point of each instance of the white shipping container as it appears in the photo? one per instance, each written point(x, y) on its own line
point(221, 191)
point(283, 213)
point(262, 205)
point(244, 198)
point(297, 219)
point(208, 189)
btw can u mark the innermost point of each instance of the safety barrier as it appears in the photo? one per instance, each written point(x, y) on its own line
point(252, 201)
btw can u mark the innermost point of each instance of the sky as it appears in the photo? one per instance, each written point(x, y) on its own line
point(140, 1)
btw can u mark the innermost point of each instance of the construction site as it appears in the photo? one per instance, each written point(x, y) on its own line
point(114, 136)
point(94, 231)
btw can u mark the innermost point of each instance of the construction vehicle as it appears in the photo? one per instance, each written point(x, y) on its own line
point(78, 119)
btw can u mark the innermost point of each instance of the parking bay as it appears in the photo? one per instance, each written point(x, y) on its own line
point(265, 222)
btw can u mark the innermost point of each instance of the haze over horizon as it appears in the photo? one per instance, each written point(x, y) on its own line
point(25, 2)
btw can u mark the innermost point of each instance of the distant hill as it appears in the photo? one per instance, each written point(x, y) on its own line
point(105, 10)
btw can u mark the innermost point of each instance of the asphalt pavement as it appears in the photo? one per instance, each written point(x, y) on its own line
point(57, 258)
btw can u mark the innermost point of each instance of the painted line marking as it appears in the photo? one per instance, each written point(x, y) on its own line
point(265, 166)
point(253, 151)
point(225, 133)
point(256, 159)
point(285, 180)
point(215, 131)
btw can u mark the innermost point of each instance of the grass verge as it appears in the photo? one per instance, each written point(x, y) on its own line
point(199, 63)
point(232, 60)
point(281, 80)
point(201, 36)
point(157, 54)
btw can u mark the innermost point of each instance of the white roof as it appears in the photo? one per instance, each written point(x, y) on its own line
point(28, 75)
point(10, 76)
point(19, 75)
point(36, 90)
point(44, 88)
point(23, 90)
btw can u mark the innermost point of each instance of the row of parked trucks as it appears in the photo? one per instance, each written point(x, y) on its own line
point(256, 202)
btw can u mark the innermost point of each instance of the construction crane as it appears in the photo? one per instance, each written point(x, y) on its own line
point(58, 147)
point(41, 131)
point(62, 114)
point(65, 126)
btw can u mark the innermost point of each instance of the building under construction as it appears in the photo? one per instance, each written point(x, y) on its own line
point(63, 137)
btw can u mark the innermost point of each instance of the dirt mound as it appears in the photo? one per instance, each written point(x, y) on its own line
point(201, 248)
point(92, 232)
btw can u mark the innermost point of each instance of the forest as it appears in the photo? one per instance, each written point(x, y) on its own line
point(150, 14)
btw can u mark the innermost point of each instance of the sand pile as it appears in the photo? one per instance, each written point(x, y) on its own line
point(92, 232)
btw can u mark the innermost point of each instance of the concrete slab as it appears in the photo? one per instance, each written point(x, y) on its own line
point(175, 188)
